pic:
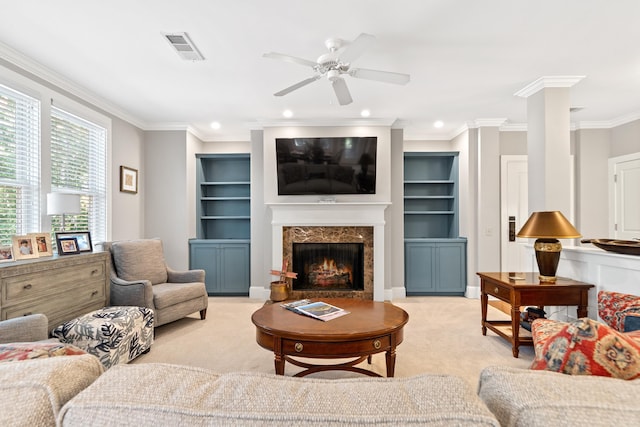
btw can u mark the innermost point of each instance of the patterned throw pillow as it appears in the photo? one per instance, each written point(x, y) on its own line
point(29, 350)
point(588, 347)
point(614, 307)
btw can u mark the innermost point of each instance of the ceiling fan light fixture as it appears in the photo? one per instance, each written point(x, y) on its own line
point(333, 75)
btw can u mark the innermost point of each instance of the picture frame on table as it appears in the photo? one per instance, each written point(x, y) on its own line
point(67, 245)
point(6, 253)
point(43, 243)
point(128, 180)
point(83, 239)
point(24, 247)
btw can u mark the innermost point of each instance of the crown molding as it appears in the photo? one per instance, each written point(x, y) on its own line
point(548, 81)
point(513, 127)
point(49, 78)
point(489, 122)
point(264, 123)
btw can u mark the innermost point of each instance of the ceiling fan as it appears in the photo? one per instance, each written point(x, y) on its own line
point(336, 63)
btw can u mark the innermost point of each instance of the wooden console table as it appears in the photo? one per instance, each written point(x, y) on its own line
point(527, 291)
point(61, 287)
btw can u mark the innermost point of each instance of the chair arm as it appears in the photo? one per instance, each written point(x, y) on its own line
point(189, 276)
point(137, 292)
point(34, 327)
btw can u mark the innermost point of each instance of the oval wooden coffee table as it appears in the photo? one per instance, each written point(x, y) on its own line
point(370, 327)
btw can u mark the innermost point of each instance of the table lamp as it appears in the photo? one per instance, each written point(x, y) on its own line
point(547, 227)
point(63, 204)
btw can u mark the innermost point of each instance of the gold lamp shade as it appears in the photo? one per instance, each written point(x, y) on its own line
point(547, 227)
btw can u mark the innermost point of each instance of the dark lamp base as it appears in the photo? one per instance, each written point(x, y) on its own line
point(548, 257)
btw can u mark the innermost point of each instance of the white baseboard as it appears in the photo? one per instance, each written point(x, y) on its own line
point(472, 292)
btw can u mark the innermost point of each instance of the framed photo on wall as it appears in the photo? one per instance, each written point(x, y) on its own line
point(43, 243)
point(67, 245)
point(128, 180)
point(83, 239)
point(24, 247)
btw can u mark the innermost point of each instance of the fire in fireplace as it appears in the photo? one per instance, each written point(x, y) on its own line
point(328, 266)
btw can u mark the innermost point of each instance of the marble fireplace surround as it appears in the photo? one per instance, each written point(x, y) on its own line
point(320, 222)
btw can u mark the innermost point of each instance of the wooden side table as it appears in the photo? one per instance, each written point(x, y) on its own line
point(521, 289)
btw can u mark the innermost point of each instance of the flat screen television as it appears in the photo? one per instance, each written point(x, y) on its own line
point(338, 165)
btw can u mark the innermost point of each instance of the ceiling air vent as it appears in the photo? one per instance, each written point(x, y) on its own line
point(184, 46)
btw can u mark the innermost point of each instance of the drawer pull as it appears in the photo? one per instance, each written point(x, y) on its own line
point(28, 286)
point(298, 347)
point(377, 344)
point(496, 290)
point(94, 271)
point(28, 313)
point(94, 293)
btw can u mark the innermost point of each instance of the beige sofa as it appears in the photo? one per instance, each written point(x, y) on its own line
point(71, 389)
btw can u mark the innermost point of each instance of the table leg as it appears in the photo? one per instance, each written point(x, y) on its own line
point(279, 356)
point(391, 362)
point(515, 327)
point(484, 300)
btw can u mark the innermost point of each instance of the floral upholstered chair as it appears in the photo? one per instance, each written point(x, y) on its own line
point(620, 311)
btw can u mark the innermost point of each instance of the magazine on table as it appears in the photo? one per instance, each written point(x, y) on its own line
point(318, 310)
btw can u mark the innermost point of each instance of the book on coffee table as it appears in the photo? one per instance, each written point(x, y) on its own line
point(318, 310)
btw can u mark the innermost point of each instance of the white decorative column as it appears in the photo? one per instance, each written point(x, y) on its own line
point(548, 143)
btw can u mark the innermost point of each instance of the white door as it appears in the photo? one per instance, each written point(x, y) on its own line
point(624, 223)
point(513, 212)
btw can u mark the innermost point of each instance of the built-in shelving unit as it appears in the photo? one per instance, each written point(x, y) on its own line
point(224, 222)
point(435, 256)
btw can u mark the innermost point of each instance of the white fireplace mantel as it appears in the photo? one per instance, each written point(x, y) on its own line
point(333, 214)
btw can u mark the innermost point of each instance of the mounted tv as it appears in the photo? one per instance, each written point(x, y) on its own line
point(344, 165)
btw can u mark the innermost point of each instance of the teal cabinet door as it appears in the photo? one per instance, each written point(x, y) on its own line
point(226, 265)
point(436, 267)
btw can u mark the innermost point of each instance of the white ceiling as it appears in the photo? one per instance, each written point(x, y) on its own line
point(466, 59)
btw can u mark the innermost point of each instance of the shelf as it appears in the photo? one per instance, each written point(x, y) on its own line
point(224, 196)
point(225, 183)
point(431, 181)
point(429, 212)
point(430, 195)
point(224, 217)
point(427, 197)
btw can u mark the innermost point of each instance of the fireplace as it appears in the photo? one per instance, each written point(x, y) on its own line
point(331, 262)
point(328, 266)
point(313, 222)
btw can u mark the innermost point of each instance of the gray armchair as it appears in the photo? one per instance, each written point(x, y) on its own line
point(24, 329)
point(141, 277)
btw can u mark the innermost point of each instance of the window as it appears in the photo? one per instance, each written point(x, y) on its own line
point(19, 164)
point(78, 165)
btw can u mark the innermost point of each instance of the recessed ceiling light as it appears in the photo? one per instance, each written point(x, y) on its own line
point(438, 124)
point(287, 113)
point(365, 113)
point(215, 125)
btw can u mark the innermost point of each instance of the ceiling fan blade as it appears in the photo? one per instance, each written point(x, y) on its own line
point(289, 58)
point(342, 91)
point(297, 86)
point(356, 48)
point(381, 76)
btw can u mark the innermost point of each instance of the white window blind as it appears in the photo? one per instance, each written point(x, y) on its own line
point(19, 164)
point(78, 165)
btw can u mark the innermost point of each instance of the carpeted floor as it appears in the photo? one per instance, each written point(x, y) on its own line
point(443, 336)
